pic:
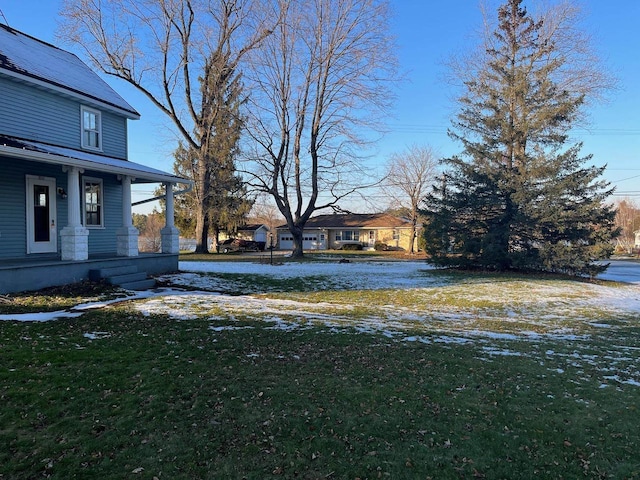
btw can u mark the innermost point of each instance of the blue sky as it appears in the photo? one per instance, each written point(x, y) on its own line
point(428, 32)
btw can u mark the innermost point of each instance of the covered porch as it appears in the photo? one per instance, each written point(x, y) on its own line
point(47, 235)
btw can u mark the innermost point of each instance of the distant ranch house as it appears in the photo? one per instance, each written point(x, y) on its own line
point(334, 232)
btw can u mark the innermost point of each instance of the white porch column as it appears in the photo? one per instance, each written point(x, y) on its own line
point(127, 235)
point(169, 234)
point(74, 238)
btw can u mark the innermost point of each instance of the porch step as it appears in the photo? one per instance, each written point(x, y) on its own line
point(145, 284)
point(103, 273)
point(126, 276)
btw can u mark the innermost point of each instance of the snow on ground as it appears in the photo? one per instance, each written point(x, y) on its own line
point(478, 308)
point(355, 275)
point(405, 301)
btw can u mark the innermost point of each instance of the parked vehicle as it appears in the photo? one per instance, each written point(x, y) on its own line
point(239, 245)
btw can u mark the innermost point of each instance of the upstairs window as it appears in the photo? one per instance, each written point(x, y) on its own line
point(93, 199)
point(91, 129)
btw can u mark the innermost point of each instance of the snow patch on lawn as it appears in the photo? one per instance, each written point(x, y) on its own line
point(431, 309)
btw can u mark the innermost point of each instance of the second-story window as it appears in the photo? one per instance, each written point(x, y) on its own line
point(91, 129)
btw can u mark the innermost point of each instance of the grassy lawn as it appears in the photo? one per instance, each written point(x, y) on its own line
point(241, 391)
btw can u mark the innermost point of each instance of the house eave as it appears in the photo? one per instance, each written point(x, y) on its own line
point(141, 173)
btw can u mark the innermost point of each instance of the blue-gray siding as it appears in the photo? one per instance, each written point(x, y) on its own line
point(103, 240)
point(37, 114)
point(13, 235)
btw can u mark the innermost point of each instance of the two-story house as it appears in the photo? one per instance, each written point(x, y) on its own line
point(65, 181)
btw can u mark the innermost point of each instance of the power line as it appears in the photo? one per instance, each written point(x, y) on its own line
point(443, 129)
point(625, 179)
point(6, 22)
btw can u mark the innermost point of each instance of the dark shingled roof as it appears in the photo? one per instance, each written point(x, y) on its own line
point(30, 59)
point(251, 227)
point(356, 220)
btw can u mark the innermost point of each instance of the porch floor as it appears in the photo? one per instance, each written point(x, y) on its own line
point(36, 272)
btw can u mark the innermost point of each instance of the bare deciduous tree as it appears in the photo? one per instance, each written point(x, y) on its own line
point(264, 212)
point(628, 221)
point(319, 85)
point(170, 50)
point(150, 227)
point(409, 175)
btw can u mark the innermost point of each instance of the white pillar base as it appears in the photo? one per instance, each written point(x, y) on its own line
point(170, 240)
point(74, 243)
point(127, 242)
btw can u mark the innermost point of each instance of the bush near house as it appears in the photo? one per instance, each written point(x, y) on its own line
point(351, 246)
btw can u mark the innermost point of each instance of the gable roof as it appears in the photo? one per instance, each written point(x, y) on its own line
point(252, 227)
point(30, 60)
point(356, 220)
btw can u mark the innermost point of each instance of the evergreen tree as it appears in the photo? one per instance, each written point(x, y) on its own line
point(221, 193)
point(520, 196)
point(228, 202)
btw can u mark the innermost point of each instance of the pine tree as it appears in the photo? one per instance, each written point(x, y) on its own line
point(520, 196)
point(219, 199)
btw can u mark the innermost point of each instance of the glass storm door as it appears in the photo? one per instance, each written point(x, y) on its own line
point(42, 232)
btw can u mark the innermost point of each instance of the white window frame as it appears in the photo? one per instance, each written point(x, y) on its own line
point(100, 203)
point(348, 236)
point(98, 129)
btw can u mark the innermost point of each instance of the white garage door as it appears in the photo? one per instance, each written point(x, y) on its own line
point(285, 242)
point(310, 242)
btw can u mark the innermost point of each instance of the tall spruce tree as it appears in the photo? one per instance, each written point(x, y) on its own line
point(219, 199)
point(520, 195)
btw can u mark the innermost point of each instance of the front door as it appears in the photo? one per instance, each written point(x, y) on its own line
point(42, 233)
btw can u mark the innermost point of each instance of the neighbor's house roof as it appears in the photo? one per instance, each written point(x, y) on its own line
point(355, 220)
point(252, 227)
point(41, 152)
point(30, 60)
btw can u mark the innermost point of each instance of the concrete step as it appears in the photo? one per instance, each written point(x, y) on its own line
point(126, 278)
point(101, 273)
point(145, 284)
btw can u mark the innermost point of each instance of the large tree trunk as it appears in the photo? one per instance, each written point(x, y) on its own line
point(297, 243)
point(412, 237)
point(203, 183)
point(216, 238)
point(202, 231)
